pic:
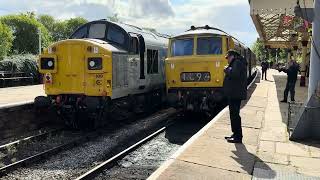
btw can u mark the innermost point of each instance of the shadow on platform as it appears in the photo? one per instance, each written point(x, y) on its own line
point(242, 153)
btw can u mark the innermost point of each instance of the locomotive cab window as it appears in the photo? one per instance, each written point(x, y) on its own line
point(116, 35)
point(80, 33)
point(209, 45)
point(97, 31)
point(182, 47)
point(134, 45)
point(152, 61)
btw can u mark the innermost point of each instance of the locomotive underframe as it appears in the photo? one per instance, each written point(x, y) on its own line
point(196, 99)
point(89, 112)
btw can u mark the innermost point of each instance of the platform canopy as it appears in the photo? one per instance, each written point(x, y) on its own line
point(276, 22)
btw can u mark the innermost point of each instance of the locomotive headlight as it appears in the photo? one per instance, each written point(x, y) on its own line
point(91, 64)
point(50, 63)
point(47, 63)
point(95, 63)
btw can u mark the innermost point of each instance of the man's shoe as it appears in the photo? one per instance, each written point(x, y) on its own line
point(228, 137)
point(234, 140)
point(284, 101)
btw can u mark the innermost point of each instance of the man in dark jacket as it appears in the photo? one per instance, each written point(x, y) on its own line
point(264, 67)
point(235, 90)
point(292, 72)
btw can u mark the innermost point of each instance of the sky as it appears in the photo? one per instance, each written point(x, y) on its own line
point(167, 16)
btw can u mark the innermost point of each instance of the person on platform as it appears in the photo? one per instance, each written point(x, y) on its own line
point(235, 90)
point(292, 72)
point(264, 67)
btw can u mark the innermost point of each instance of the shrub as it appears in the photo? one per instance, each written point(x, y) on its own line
point(26, 63)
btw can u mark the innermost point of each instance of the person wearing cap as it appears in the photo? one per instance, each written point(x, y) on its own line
point(292, 72)
point(235, 90)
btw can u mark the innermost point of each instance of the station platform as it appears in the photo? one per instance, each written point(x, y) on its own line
point(20, 94)
point(266, 152)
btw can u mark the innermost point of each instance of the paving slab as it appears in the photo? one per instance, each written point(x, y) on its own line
point(305, 165)
point(20, 94)
point(220, 131)
point(269, 157)
point(180, 170)
point(219, 154)
point(291, 148)
point(267, 146)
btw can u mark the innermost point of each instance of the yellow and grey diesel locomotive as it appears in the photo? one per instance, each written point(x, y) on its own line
point(195, 67)
point(103, 65)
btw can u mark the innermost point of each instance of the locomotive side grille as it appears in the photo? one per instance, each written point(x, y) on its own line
point(119, 71)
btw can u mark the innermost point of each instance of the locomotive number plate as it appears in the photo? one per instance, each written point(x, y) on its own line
point(195, 76)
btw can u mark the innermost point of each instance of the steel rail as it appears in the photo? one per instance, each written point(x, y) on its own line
point(30, 138)
point(71, 144)
point(110, 162)
point(45, 154)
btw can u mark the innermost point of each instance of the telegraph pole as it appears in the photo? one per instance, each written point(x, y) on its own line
point(314, 78)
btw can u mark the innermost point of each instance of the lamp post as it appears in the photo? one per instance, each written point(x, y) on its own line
point(39, 35)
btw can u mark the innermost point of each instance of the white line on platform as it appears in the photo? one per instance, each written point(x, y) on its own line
point(10, 105)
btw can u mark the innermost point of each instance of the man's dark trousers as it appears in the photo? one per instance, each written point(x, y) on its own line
point(234, 108)
point(264, 73)
point(290, 87)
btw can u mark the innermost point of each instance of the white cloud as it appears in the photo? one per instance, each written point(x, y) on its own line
point(167, 16)
point(148, 8)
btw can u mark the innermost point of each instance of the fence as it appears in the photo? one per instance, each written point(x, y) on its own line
point(9, 79)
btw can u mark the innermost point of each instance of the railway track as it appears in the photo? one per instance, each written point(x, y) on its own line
point(46, 153)
point(108, 133)
point(29, 138)
point(111, 161)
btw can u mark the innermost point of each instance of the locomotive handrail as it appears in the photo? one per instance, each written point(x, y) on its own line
point(192, 28)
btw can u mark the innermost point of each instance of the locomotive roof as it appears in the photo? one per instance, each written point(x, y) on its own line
point(208, 30)
point(203, 30)
point(149, 37)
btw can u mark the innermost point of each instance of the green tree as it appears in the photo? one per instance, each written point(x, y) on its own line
point(48, 21)
point(6, 39)
point(25, 31)
point(64, 29)
point(73, 24)
point(59, 31)
point(259, 50)
point(283, 54)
